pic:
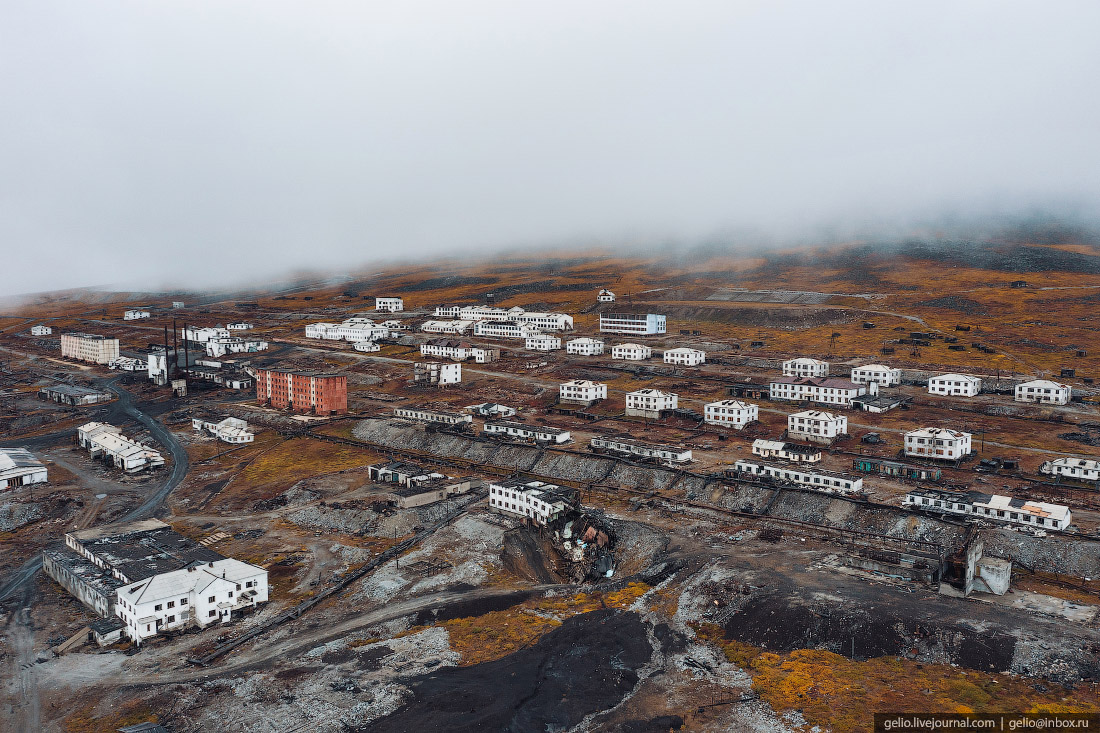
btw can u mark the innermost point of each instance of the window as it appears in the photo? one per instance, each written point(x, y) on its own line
point(171, 619)
point(230, 594)
point(238, 586)
point(158, 607)
point(171, 604)
point(212, 614)
point(183, 601)
point(210, 599)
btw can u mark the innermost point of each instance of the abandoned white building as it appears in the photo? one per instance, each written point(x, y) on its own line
point(239, 326)
point(19, 467)
point(544, 321)
point(353, 329)
point(1044, 392)
point(439, 416)
point(1082, 469)
point(202, 334)
point(230, 430)
point(542, 342)
point(1036, 514)
point(805, 367)
point(178, 304)
point(128, 364)
point(631, 352)
point(73, 395)
point(938, 443)
point(816, 426)
point(389, 304)
point(684, 356)
point(217, 347)
point(630, 448)
point(134, 315)
point(436, 373)
point(961, 385)
point(880, 374)
point(107, 442)
point(730, 413)
point(523, 431)
point(504, 329)
point(584, 347)
point(89, 347)
point(582, 391)
point(786, 451)
point(455, 328)
point(41, 330)
point(401, 473)
point(635, 324)
point(535, 501)
point(828, 481)
point(649, 402)
point(492, 409)
point(605, 296)
point(366, 347)
point(457, 350)
point(824, 390)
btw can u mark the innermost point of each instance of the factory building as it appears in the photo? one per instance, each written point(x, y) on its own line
point(827, 481)
point(635, 449)
point(107, 442)
point(19, 467)
point(993, 507)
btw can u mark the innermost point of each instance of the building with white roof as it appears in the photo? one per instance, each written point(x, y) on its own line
point(584, 347)
point(684, 356)
point(366, 346)
point(1044, 392)
point(134, 315)
point(827, 481)
point(19, 467)
point(523, 431)
point(786, 451)
point(961, 385)
point(938, 443)
point(631, 352)
point(389, 304)
point(542, 342)
point(993, 507)
point(1082, 469)
point(437, 416)
point(202, 334)
point(635, 324)
point(217, 347)
point(816, 426)
point(41, 330)
point(831, 391)
point(230, 430)
point(637, 450)
point(582, 391)
point(649, 402)
point(239, 326)
point(605, 296)
point(544, 321)
point(504, 329)
point(108, 442)
point(805, 367)
point(450, 327)
point(880, 374)
point(535, 501)
point(730, 413)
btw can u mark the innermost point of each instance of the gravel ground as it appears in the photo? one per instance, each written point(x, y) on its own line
point(14, 515)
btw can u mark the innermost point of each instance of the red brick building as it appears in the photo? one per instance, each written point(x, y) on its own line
point(321, 394)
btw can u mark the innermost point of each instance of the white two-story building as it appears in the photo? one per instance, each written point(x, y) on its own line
point(816, 426)
point(880, 374)
point(805, 367)
point(631, 352)
point(584, 347)
point(731, 413)
point(542, 342)
point(1044, 392)
point(389, 304)
point(649, 402)
point(1082, 469)
point(938, 443)
point(824, 390)
point(960, 385)
point(684, 356)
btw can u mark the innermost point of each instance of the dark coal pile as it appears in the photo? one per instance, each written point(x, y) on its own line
point(584, 666)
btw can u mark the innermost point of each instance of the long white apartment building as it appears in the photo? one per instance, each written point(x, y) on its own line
point(523, 431)
point(230, 430)
point(545, 321)
point(202, 334)
point(436, 373)
point(582, 391)
point(684, 356)
point(993, 507)
point(458, 350)
point(827, 481)
point(542, 342)
point(730, 413)
point(650, 402)
point(134, 315)
point(631, 352)
point(938, 443)
point(535, 501)
point(634, 324)
point(504, 330)
point(805, 367)
point(635, 449)
point(453, 327)
point(536, 320)
point(108, 442)
point(1044, 392)
point(824, 390)
point(438, 416)
point(19, 467)
point(960, 385)
point(389, 304)
point(353, 329)
point(584, 347)
point(1082, 469)
point(792, 452)
point(880, 374)
point(89, 347)
point(239, 326)
point(816, 426)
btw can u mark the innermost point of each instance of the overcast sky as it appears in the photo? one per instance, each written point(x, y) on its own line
point(206, 141)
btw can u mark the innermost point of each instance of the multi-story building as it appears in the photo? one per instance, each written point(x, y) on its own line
point(685, 356)
point(881, 375)
point(19, 467)
point(605, 296)
point(230, 430)
point(1035, 514)
point(134, 315)
point(239, 326)
point(1044, 391)
point(107, 442)
point(637, 450)
point(202, 334)
point(938, 443)
point(584, 347)
point(504, 330)
point(436, 373)
point(41, 330)
point(962, 385)
point(523, 431)
point(455, 328)
point(353, 329)
point(89, 347)
point(234, 345)
point(827, 481)
point(635, 324)
point(535, 501)
point(438, 416)
point(543, 342)
point(649, 402)
point(318, 330)
point(631, 352)
point(805, 367)
point(816, 426)
point(1081, 469)
point(389, 304)
point(730, 413)
point(582, 391)
point(447, 349)
point(824, 390)
point(311, 392)
point(545, 321)
point(786, 451)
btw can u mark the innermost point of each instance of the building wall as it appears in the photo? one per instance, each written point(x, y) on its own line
point(85, 348)
point(322, 394)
